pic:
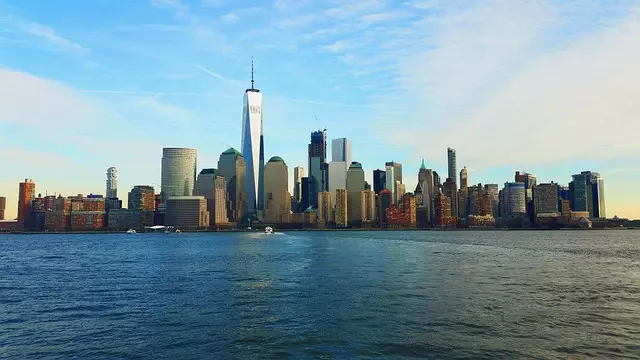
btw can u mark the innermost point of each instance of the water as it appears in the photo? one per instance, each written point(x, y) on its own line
point(329, 295)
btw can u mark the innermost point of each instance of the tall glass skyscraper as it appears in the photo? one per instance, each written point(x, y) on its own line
point(318, 168)
point(253, 147)
point(178, 172)
point(451, 160)
point(587, 194)
point(341, 150)
point(112, 183)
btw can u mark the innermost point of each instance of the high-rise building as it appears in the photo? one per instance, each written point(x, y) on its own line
point(253, 148)
point(355, 185)
point(493, 191)
point(546, 199)
point(298, 174)
point(213, 187)
point(142, 204)
point(475, 194)
point(529, 181)
point(451, 161)
point(390, 182)
point(3, 206)
point(397, 170)
point(385, 201)
point(325, 209)
point(513, 202)
point(442, 210)
point(112, 183)
point(337, 176)
point(379, 180)
point(587, 194)
point(304, 199)
point(277, 198)
point(401, 189)
point(232, 166)
point(341, 150)
point(437, 181)
point(450, 191)
point(463, 196)
point(368, 206)
point(342, 212)
point(317, 166)
point(178, 172)
point(187, 212)
point(27, 192)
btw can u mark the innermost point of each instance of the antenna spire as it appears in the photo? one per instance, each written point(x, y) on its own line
point(252, 74)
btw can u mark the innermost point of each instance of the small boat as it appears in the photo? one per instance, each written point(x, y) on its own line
point(268, 230)
point(131, 231)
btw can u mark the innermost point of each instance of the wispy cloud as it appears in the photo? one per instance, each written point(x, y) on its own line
point(215, 75)
point(230, 18)
point(337, 46)
point(51, 36)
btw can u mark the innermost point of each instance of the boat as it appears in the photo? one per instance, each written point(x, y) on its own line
point(131, 231)
point(268, 230)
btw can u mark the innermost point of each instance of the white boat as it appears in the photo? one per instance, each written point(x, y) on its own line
point(268, 230)
point(131, 231)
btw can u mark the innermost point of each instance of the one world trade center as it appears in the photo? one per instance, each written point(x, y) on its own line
point(253, 147)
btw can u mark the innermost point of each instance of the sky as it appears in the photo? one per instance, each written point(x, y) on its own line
point(547, 87)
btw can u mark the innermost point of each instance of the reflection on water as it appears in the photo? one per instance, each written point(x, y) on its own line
point(321, 294)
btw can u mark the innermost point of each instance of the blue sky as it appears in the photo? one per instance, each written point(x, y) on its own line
point(548, 87)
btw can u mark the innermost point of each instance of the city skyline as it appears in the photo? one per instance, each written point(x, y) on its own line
point(81, 88)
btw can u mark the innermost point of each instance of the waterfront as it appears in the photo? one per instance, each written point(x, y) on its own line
point(484, 294)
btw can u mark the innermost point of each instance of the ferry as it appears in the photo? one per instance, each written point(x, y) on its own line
point(268, 230)
point(131, 231)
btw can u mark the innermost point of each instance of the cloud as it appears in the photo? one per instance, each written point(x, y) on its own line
point(296, 21)
point(230, 18)
point(215, 75)
point(350, 9)
point(337, 46)
point(50, 35)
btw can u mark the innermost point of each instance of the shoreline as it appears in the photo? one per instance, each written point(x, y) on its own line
point(284, 230)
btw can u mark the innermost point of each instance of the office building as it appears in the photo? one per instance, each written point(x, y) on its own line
point(142, 204)
point(437, 181)
point(492, 191)
point(187, 212)
point(253, 148)
point(341, 150)
point(529, 181)
point(304, 200)
point(401, 189)
point(337, 176)
point(112, 183)
point(512, 202)
point(586, 193)
point(27, 192)
point(385, 201)
point(368, 206)
point(342, 211)
point(442, 210)
point(178, 172)
point(451, 161)
point(212, 185)
point(597, 196)
point(397, 170)
point(3, 206)
point(450, 191)
point(234, 169)
point(87, 213)
point(318, 168)
point(546, 199)
point(298, 174)
point(390, 182)
point(379, 180)
point(325, 209)
point(276, 186)
point(355, 185)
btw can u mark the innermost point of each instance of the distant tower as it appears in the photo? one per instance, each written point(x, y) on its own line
point(253, 147)
point(451, 159)
point(341, 150)
point(112, 183)
point(27, 193)
point(178, 172)
point(318, 168)
point(276, 187)
point(3, 205)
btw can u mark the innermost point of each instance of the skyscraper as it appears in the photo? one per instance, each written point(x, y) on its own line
point(178, 172)
point(355, 185)
point(253, 147)
point(112, 183)
point(597, 189)
point(450, 191)
point(337, 176)
point(390, 182)
point(385, 201)
point(513, 202)
point(451, 160)
point(3, 206)
point(317, 165)
point(493, 191)
point(276, 187)
point(298, 174)
point(142, 204)
point(325, 209)
point(368, 206)
point(463, 196)
point(341, 150)
point(27, 192)
point(212, 185)
point(379, 177)
point(397, 170)
point(587, 194)
point(546, 199)
point(342, 212)
point(231, 164)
